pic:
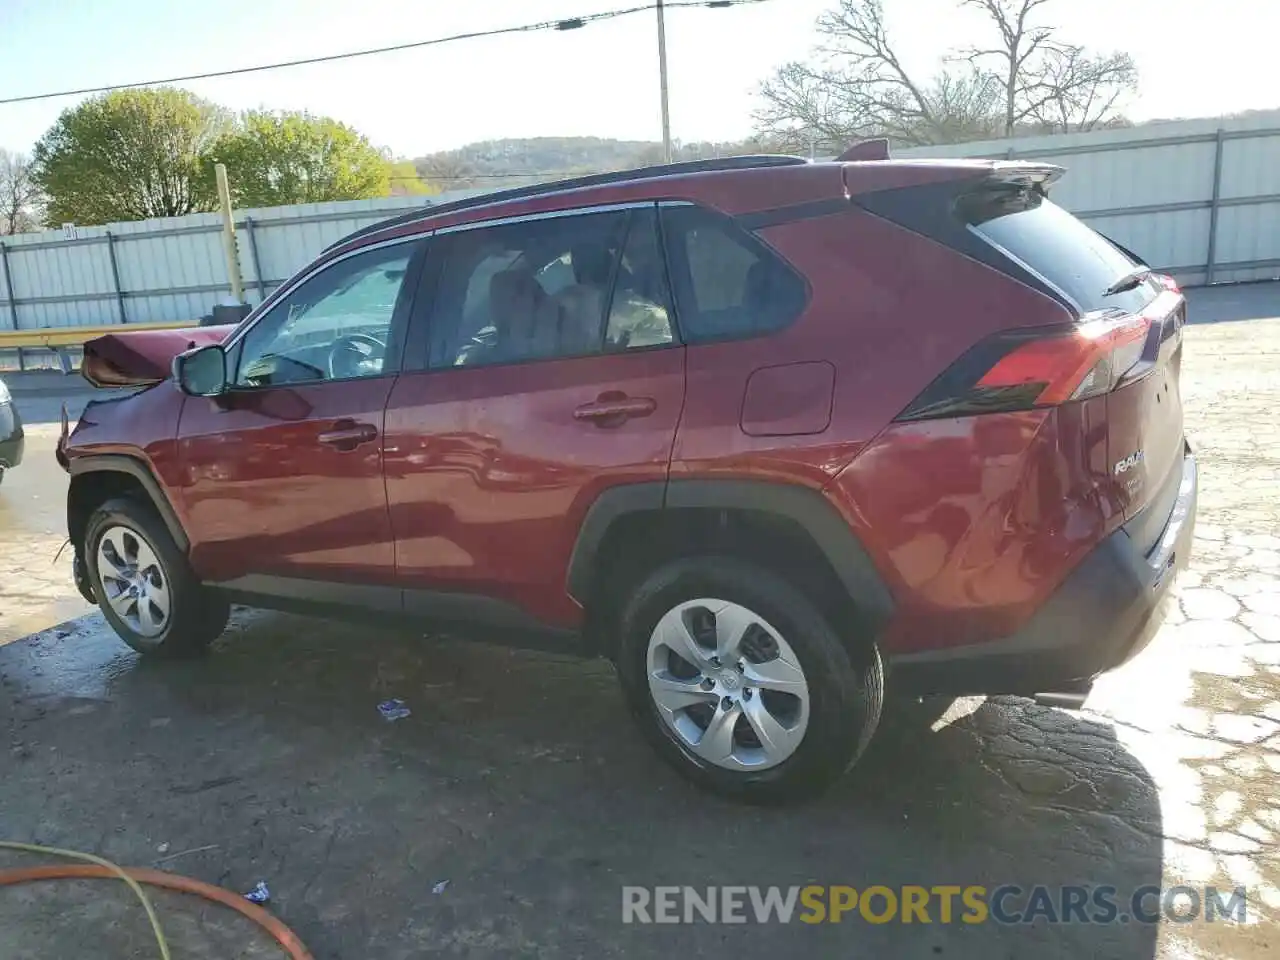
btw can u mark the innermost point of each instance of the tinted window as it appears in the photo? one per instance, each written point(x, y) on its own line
point(727, 283)
point(335, 326)
point(1074, 258)
point(560, 287)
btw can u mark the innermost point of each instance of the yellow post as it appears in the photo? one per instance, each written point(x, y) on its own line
point(229, 233)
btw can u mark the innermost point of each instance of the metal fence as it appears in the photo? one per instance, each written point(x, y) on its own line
point(1199, 199)
point(166, 270)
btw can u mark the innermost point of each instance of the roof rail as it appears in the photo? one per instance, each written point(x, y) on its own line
point(594, 180)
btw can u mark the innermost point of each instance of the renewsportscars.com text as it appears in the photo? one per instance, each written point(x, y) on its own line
point(974, 904)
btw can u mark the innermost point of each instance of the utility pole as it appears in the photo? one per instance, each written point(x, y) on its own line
point(229, 233)
point(662, 79)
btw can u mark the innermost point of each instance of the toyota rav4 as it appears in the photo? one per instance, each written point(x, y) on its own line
point(774, 436)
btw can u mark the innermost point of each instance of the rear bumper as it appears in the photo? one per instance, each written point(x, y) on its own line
point(11, 441)
point(1104, 613)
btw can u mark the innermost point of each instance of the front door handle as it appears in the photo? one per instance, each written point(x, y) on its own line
point(615, 409)
point(347, 434)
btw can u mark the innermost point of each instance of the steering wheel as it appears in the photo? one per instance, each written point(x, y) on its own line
point(350, 352)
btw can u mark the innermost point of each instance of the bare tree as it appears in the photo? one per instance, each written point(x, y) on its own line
point(857, 85)
point(1076, 91)
point(1055, 84)
point(19, 196)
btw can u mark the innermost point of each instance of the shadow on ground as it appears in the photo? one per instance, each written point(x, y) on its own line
point(519, 779)
point(1229, 302)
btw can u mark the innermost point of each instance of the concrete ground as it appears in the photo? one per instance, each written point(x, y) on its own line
point(519, 780)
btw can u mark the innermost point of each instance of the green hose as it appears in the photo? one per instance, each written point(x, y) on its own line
point(117, 870)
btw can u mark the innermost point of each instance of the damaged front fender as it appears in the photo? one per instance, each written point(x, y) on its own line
point(138, 358)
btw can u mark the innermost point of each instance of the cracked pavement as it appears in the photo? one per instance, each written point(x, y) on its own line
point(519, 779)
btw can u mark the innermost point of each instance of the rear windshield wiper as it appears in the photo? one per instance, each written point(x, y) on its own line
point(1128, 281)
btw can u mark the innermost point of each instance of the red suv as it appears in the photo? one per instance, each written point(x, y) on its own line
point(764, 432)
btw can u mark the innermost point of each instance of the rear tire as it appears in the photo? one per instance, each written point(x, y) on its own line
point(705, 714)
point(144, 585)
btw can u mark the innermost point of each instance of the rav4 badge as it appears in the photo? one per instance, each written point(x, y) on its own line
point(1129, 462)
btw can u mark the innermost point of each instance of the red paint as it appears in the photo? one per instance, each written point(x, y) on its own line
point(262, 493)
point(791, 399)
point(477, 479)
point(136, 357)
point(489, 471)
point(974, 521)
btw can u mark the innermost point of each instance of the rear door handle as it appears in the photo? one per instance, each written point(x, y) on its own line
point(613, 411)
point(347, 434)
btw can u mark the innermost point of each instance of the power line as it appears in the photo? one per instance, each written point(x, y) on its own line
point(569, 23)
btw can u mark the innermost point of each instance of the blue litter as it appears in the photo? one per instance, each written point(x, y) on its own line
point(393, 710)
point(259, 894)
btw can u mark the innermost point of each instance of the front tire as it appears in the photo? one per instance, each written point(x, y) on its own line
point(144, 585)
point(740, 682)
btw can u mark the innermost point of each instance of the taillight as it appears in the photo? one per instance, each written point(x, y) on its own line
point(1167, 282)
point(1038, 367)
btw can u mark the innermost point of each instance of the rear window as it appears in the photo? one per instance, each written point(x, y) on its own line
point(1052, 243)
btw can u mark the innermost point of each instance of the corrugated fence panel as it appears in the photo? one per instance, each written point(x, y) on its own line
point(58, 282)
point(94, 312)
point(187, 261)
point(165, 308)
point(287, 244)
point(1248, 234)
point(1251, 167)
point(172, 269)
point(1143, 177)
point(1150, 188)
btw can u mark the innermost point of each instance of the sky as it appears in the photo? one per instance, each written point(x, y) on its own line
point(1195, 58)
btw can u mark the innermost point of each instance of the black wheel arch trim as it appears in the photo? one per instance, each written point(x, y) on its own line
point(140, 471)
point(807, 508)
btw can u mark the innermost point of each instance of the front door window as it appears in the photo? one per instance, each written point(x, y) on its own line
point(334, 326)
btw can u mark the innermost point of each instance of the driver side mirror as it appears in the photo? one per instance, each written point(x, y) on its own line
point(202, 372)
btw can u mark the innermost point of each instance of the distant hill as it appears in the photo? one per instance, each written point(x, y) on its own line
point(510, 162)
point(513, 162)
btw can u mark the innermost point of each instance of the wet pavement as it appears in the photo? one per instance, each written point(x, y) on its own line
point(518, 778)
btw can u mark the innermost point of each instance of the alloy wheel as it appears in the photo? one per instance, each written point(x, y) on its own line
point(728, 685)
point(133, 581)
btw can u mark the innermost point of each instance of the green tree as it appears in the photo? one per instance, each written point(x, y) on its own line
point(128, 155)
point(275, 159)
point(405, 181)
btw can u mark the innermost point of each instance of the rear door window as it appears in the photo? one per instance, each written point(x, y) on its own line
point(533, 290)
point(573, 285)
point(727, 283)
point(640, 312)
point(1049, 241)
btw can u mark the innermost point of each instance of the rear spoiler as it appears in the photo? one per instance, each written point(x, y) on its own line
point(877, 149)
point(1024, 173)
